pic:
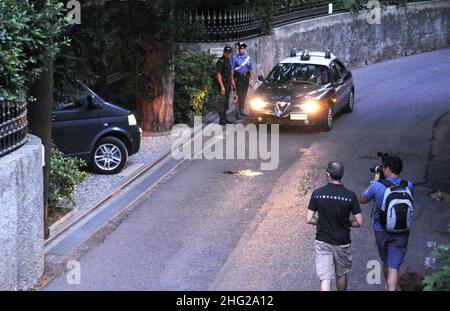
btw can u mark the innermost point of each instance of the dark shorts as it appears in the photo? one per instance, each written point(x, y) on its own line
point(392, 248)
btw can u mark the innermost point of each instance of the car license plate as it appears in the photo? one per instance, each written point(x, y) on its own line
point(299, 116)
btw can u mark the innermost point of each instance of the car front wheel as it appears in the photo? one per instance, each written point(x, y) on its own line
point(351, 102)
point(109, 156)
point(327, 122)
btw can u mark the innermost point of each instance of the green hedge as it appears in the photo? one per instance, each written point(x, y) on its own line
point(28, 37)
point(195, 85)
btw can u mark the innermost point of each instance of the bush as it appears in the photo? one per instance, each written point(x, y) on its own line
point(65, 176)
point(194, 85)
point(28, 37)
point(440, 280)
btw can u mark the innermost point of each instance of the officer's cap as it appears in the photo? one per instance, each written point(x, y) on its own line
point(228, 49)
point(241, 44)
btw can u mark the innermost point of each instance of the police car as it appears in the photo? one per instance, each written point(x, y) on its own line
point(308, 88)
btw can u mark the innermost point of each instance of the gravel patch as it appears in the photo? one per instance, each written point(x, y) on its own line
point(96, 186)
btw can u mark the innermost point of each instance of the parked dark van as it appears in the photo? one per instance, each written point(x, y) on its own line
point(103, 134)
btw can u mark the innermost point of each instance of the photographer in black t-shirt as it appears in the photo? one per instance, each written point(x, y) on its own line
point(333, 203)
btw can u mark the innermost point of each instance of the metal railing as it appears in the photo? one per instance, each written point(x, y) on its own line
point(245, 23)
point(223, 25)
point(13, 125)
point(305, 11)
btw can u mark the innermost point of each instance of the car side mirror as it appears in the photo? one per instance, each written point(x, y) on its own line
point(261, 78)
point(339, 82)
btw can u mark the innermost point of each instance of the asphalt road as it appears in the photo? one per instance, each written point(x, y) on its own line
point(205, 230)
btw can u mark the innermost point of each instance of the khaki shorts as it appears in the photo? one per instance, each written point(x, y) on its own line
point(332, 260)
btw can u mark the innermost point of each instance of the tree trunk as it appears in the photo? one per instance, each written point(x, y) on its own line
point(156, 109)
point(40, 123)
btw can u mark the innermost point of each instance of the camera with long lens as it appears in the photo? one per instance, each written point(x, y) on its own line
point(378, 169)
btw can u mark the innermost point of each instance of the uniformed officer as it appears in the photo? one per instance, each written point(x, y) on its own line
point(225, 83)
point(243, 74)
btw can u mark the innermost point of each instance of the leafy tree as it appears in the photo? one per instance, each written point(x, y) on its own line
point(91, 42)
point(28, 38)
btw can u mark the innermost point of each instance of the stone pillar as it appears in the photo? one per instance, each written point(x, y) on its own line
point(21, 217)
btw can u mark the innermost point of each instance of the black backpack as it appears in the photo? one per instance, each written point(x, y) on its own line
point(397, 210)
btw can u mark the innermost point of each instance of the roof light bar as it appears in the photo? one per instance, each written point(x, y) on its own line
point(306, 55)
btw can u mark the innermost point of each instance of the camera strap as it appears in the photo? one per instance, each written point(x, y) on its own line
point(387, 184)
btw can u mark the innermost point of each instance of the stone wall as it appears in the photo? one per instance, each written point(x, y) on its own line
point(418, 27)
point(21, 217)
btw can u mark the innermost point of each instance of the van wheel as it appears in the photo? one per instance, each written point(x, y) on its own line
point(109, 156)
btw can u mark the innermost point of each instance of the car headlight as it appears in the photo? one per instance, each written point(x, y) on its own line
point(258, 103)
point(310, 106)
point(132, 120)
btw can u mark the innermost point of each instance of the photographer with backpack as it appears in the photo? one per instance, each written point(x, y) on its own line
point(392, 218)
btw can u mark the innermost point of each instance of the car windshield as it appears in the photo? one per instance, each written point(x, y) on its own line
point(299, 73)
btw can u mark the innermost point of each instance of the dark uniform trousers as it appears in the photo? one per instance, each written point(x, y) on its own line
point(223, 101)
point(242, 84)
